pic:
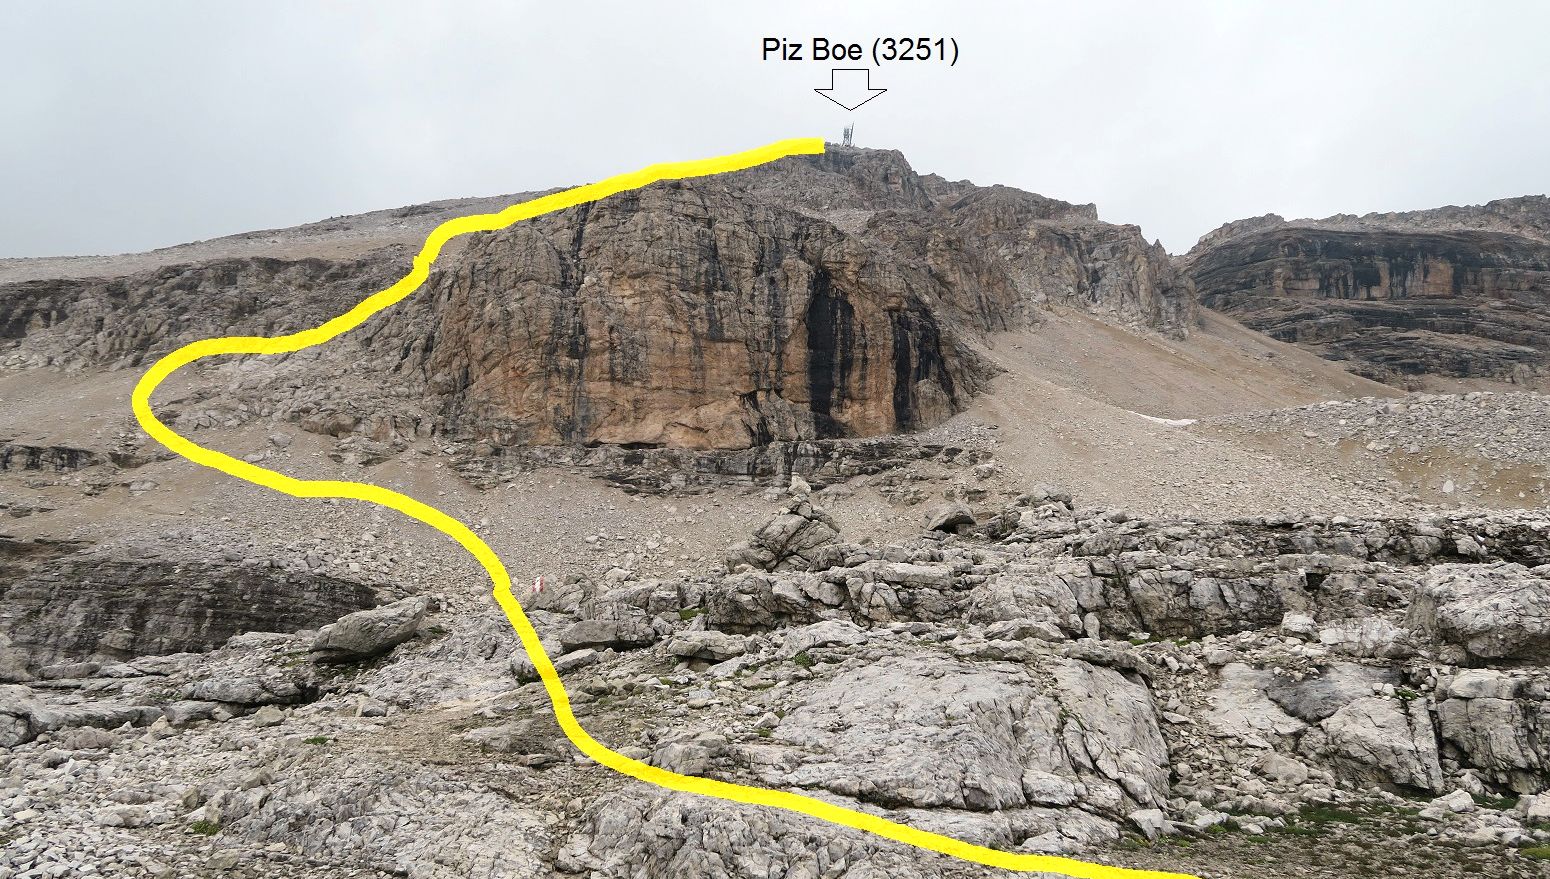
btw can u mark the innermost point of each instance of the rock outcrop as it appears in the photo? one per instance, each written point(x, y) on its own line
point(793, 539)
point(1456, 293)
point(62, 602)
point(1075, 679)
point(1497, 611)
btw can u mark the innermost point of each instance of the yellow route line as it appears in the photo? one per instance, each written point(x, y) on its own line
point(792, 802)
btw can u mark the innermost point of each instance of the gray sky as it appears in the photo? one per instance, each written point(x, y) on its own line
point(129, 126)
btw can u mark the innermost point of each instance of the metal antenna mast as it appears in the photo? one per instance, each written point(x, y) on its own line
point(849, 131)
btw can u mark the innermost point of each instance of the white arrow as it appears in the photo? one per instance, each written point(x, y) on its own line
point(851, 90)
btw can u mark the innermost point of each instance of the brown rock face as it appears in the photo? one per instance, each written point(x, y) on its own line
point(1457, 292)
point(686, 316)
point(836, 297)
point(821, 297)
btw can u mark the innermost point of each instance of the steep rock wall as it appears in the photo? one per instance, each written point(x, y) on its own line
point(1399, 297)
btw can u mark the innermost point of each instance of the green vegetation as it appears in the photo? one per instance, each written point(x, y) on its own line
point(205, 828)
point(689, 613)
point(316, 740)
point(804, 660)
point(1537, 852)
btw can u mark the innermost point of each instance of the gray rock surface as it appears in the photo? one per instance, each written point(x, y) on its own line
point(1497, 611)
point(369, 633)
point(793, 540)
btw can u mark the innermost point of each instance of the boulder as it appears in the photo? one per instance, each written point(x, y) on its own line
point(1485, 718)
point(267, 716)
point(269, 686)
point(829, 633)
point(369, 633)
point(791, 540)
point(710, 646)
point(624, 633)
point(1377, 740)
point(1497, 611)
point(751, 601)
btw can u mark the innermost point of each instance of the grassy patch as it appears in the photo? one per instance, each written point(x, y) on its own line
point(1537, 852)
point(1316, 820)
point(804, 660)
point(1130, 842)
point(205, 828)
point(765, 733)
point(1327, 815)
point(689, 613)
point(315, 740)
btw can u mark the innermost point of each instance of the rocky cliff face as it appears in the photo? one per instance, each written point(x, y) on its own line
point(821, 297)
point(1456, 292)
point(688, 315)
point(63, 602)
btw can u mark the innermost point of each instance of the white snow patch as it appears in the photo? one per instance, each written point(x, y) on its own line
point(1171, 422)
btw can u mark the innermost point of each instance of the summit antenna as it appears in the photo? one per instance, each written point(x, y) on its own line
point(850, 130)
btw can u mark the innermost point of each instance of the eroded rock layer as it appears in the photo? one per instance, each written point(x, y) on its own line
point(1459, 293)
point(61, 602)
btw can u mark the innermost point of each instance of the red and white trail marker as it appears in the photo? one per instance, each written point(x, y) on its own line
point(538, 584)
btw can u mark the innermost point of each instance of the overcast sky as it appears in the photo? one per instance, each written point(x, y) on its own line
point(129, 126)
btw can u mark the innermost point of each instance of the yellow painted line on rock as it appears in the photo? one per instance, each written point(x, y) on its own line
point(328, 488)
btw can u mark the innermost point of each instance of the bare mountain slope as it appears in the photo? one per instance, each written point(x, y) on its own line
point(832, 296)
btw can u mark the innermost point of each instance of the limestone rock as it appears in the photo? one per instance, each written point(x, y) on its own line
point(830, 633)
point(1395, 296)
point(1497, 726)
point(792, 540)
point(623, 634)
point(717, 313)
point(1498, 611)
point(1387, 742)
point(1315, 698)
point(711, 646)
point(922, 732)
point(65, 602)
point(369, 633)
